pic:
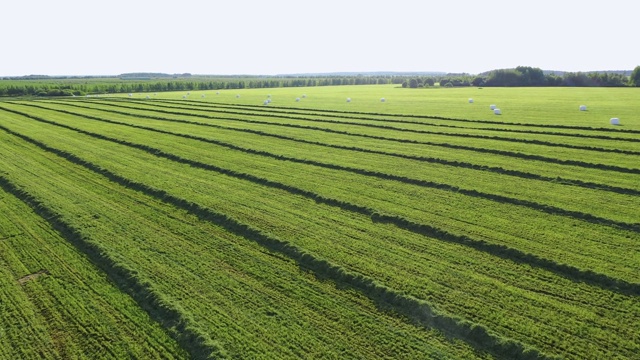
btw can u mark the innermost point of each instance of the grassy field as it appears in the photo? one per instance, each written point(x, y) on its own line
point(419, 227)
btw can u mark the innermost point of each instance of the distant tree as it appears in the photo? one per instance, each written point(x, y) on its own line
point(553, 80)
point(413, 83)
point(634, 79)
point(577, 79)
point(478, 81)
point(504, 77)
point(530, 76)
point(429, 81)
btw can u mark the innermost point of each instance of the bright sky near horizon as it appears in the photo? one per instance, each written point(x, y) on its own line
point(73, 37)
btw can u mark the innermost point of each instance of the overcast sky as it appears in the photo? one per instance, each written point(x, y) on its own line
point(108, 37)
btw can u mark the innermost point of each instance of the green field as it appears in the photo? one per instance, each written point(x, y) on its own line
point(210, 225)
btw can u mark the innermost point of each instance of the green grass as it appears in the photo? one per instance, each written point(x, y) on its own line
point(232, 290)
point(56, 304)
point(547, 106)
point(287, 233)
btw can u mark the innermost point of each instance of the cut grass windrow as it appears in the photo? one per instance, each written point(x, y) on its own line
point(505, 252)
point(57, 305)
point(199, 345)
point(269, 113)
point(419, 311)
point(257, 107)
point(423, 205)
point(255, 303)
point(406, 130)
point(433, 160)
point(199, 105)
point(513, 154)
point(465, 282)
point(424, 183)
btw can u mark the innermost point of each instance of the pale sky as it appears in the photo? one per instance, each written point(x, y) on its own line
point(109, 37)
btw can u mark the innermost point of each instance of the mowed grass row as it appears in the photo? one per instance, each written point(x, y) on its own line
point(55, 304)
point(457, 138)
point(545, 166)
point(530, 305)
point(575, 136)
point(533, 105)
point(604, 249)
point(248, 301)
point(618, 206)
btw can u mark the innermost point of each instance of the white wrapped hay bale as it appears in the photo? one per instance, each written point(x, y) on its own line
point(492, 107)
point(297, 99)
point(614, 121)
point(383, 100)
point(470, 101)
point(348, 99)
point(583, 107)
point(497, 111)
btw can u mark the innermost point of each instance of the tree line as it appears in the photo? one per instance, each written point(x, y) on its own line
point(113, 86)
point(528, 76)
point(520, 76)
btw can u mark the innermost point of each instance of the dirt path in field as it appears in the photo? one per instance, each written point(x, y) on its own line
point(33, 276)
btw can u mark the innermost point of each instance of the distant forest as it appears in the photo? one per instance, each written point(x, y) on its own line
point(42, 85)
point(530, 76)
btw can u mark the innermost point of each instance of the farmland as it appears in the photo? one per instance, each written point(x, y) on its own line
point(209, 225)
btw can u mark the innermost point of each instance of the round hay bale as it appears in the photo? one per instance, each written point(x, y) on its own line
point(297, 99)
point(217, 92)
point(268, 95)
point(304, 96)
point(348, 99)
point(184, 96)
point(238, 96)
point(470, 101)
point(266, 102)
point(383, 100)
point(492, 107)
point(130, 95)
point(202, 95)
point(583, 107)
point(614, 121)
point(497, 111)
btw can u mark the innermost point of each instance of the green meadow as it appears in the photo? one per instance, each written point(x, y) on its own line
point(208, 224)
point(537, 105)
